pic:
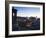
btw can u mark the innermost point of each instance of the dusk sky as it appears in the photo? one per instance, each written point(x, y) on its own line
point(28, 11)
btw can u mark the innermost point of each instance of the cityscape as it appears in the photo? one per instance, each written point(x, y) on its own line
point(24, 22)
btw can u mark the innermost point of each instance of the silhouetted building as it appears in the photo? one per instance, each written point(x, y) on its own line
point(14, 15)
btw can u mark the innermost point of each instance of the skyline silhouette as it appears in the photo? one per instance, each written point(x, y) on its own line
point(28, 11)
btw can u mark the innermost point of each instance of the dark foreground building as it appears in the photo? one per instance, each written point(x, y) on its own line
point(22, 23)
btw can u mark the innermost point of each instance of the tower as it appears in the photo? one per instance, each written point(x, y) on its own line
point(36, 17)
point(14, 15)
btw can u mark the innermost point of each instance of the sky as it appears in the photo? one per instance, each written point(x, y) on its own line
point(28, 11)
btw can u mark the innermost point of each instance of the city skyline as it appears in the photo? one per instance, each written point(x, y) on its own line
point(28, 11)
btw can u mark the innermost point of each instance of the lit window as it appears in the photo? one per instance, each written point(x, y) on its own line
point(13, 14)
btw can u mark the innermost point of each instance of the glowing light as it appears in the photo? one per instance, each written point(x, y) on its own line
point(13, 14)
